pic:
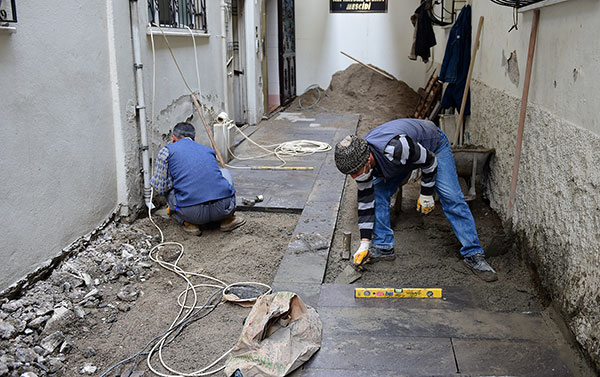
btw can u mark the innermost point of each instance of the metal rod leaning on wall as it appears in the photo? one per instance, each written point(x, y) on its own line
point(368, 66)
point(523, 113)
point(458, 137)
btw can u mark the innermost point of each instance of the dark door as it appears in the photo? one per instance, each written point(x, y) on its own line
point(287, 51)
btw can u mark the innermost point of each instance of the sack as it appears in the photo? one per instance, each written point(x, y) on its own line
point(279, 335)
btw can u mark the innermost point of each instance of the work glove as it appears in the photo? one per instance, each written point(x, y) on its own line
point(425, 204)
point(360, 256)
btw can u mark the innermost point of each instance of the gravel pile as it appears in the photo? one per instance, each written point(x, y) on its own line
point(38, 330)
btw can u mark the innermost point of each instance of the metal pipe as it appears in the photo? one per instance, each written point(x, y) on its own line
point(224, 62)
point(141, 106)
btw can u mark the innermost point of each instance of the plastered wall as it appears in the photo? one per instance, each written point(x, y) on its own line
point(381, 39)
point(556, 213)
point(58, 155)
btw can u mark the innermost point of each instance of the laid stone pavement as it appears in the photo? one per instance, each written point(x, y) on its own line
point(383, 337)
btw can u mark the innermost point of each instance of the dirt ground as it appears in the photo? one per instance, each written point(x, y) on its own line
point(117, 325)
point(249, 253)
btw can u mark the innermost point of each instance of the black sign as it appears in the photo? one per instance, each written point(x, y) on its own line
point(358, 6)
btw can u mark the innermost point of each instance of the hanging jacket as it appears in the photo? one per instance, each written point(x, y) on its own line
point(455, 65)
point(425, 37)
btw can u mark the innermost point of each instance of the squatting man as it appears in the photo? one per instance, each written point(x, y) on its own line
point(381, 161)
point(197, 190)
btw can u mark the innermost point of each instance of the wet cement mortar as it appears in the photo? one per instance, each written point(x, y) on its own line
point(110, 299)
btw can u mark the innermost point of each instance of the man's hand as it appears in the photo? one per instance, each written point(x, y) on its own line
point(425, 204)
point(361, 254)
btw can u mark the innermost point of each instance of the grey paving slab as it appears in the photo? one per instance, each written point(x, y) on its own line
point(502, 358)
point(302, 267)
point(466, 324)
point(364, 373)
point(309, 293)
point(342, 295)
point(290, 190)
point(364, 353)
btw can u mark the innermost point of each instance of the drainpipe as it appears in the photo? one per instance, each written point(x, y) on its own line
point(224, 56)
point(141, 107)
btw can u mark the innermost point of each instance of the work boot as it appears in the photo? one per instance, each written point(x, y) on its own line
point(192, 229)
point(481, 268)
point(232, 222)
point(376, 255)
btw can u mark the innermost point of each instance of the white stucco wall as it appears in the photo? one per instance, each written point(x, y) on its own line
point(380, 39)
point(58, 156)
point(556, 213)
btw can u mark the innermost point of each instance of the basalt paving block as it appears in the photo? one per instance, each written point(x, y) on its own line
point(364, 373)
point(363, 353)
point(307, 267)
point(466, 324)
point(342, 295)
point(309, 293)
point(504, 358)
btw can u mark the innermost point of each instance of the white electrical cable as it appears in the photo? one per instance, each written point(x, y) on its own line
point(186, 310)
point(294, 148)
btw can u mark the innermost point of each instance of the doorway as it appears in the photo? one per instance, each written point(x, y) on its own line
point(236, 82)
point(281, 53)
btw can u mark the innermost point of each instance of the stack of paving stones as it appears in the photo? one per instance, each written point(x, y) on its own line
point(37, 329)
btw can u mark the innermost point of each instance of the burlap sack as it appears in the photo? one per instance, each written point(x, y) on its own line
point(280, 334)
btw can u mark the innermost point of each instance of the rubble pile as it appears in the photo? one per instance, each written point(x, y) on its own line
point(38, 329)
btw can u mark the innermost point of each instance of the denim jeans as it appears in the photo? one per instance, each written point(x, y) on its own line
point(453, 203)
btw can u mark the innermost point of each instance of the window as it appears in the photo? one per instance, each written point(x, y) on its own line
point(178, 14)
point(8, 11)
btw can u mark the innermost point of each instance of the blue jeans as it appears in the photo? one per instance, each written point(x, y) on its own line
point(453, 203)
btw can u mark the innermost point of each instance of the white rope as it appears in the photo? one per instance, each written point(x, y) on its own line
point(294, 148)
point(185, 309)
point(190, 292)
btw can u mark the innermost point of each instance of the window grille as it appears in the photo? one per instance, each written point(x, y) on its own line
point(8, 11)
point(178, 13)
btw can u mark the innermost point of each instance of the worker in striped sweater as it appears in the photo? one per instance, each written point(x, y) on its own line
point(381, 161)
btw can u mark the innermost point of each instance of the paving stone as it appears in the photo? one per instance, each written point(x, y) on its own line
point(309, 293)
point(367, 354)
point(365, 373)
point(302, 268)
point(508, 358)
point(342, 295)
point(465, 324)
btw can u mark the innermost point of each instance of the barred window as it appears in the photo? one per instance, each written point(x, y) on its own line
point(178, 14)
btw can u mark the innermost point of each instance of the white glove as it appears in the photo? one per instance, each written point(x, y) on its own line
point(361, 254)
point(425, 204)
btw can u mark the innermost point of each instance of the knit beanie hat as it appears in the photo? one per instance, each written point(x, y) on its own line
point(351, 154)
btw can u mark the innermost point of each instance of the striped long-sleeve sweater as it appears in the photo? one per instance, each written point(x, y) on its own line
point(404, 151)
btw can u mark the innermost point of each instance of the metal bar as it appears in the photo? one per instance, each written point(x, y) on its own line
point(523, 113)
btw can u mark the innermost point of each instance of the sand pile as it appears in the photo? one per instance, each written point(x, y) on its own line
point(358, 89)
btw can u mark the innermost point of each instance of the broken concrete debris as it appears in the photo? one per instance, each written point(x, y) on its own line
point(93, 286)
